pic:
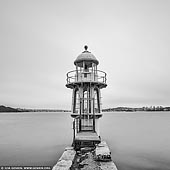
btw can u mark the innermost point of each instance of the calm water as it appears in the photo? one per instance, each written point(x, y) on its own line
point(138, 141)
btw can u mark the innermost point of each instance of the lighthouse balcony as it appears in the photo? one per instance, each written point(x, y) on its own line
point(78, 76)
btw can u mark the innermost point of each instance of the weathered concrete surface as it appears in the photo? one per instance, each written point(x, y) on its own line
point(108, 166)
point(102, 152)
point(66, 160)
point(63, 165)
point(103, 149)
point(68, 154)
point(85, 159)
point(87, 162)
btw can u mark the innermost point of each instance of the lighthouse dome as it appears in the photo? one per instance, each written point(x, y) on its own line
point(86, 56)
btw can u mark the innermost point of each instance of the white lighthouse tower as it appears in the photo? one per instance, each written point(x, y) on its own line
point(86, 82)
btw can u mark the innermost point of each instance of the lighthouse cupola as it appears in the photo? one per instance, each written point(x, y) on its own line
point(86, 58)
point(86, 82)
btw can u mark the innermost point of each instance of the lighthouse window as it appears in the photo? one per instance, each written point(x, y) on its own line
point(96, 101)
point(76, 101)
point(85, 67)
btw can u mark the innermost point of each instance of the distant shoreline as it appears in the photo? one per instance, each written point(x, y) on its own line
point(129, 109)
point(4, 109)
point(10, 109)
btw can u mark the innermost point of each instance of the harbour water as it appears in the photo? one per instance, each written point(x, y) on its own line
point(138, 140)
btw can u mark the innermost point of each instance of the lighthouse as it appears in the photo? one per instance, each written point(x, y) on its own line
point(87, 150)
point(86, 82)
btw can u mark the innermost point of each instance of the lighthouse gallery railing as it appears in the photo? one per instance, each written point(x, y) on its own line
point(79, 76)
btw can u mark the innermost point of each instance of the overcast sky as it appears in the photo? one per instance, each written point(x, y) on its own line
point(40, 39)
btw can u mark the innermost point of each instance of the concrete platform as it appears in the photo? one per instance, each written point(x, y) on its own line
point(102, 152)
point(66, 160)
point(72, 160)
point(90, 164)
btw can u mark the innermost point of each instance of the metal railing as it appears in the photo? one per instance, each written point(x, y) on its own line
point(80, 76)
